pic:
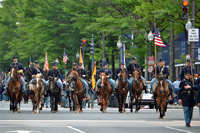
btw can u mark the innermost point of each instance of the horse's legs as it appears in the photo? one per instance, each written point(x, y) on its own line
point(164, 107)
point(37, 101)
point(77, 104)
point(81, 105)
point(51, 103)
point(18, 107)
point(159, 106)
point(136, 105)
point(156, 105)
point(124, 101)
point(101, 100)
point(120, 103)
point(42, 104)
point(131, 104)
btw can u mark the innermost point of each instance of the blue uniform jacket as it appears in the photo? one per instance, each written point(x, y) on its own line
point(1, 89)
point(54, 73)
point(132, 66)
point(118, 71)
point(187, 95)
point(165, 70)
point(19, 65)
point(103, 70)
point(184, 70)
point(35, 71)
point(198, 96)
point(81, 72)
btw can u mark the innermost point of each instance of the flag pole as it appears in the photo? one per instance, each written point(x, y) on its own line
point(65, 68)
point(155, 59)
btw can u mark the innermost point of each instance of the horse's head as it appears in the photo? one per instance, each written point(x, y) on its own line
point(103, 78)
point(161, 81)
point(38, 81)
point(136, 75)
point(28, 74)
point(73, 75)
point(123, 75)
point(13, 72)
point(52, 83)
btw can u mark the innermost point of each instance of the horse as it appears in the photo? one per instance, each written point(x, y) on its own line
point(70, 92)
point(162, 94)
point(123, 89)
point(55, 95)
point(28, 77)
point(14, 89)
point(38, 92)
point(79, 89)
point(105, 92)
point(137, 88)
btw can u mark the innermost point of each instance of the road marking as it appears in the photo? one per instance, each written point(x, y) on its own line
point(178, 129)
point(22, 131)
point(76, 129)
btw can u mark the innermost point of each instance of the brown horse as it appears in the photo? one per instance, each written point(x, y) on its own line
point(162, 94)
point(14, 89)
point(123, 89)
point(105, 92)
point(137, 88)
point(79, 89)
point(38, 89)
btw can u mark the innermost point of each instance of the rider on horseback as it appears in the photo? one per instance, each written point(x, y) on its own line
point(186, 68)
point(38, 70)
point(20, 71)
point(131, 67)
point(163, 70)
point(117, 74)
point(55, 73)
point(109, 77)
point(82, 74)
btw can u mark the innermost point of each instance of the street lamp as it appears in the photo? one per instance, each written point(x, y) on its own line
point(150, 38)
point(188, 25)
point(77, 56)
point(119, 45)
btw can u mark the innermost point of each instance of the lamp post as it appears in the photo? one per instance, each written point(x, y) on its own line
point(150, 38)
point(119, 45)
point(77, 56)
point(188, 26)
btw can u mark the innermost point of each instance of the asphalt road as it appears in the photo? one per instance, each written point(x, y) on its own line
point(93, 121)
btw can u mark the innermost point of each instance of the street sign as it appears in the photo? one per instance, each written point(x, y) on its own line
point(198, 53)
point(187, 56)
point(193, 35)
point(151, 60)
point(150, 69)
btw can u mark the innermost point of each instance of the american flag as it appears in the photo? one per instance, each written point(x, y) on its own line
point(158, 41)
point(64, 57)
point(46, 63)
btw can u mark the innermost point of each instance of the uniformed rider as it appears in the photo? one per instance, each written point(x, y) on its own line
point(131, 67)
point(55, 73)
point(38, 70)
point(186, 68)
point(83, 74)
point(163, 70)
point(20, 69)
point(109, 78)
point(117, 75)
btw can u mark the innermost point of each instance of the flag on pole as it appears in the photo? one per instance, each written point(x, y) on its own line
point(81, 59)
point(93, 76)
point(65, 57)
point(46, 63)
point(158, 41)
point(123, 54)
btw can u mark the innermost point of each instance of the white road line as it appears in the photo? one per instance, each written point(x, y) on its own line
point(76, 129)
point(178, 129)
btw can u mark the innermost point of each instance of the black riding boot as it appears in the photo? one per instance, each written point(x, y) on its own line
point(145, 88)
point(5, 92)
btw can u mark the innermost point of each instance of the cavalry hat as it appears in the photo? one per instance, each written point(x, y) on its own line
point(54, 63)
point(133, 58)
point(79, 64)
point(188, 60)
point(105, 64)
point(74, 64)
point(122, 63)
point(15, 57)
point(36, 62)
point(187, 72)
point(160, 60)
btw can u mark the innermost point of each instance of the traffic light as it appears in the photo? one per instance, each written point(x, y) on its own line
point(92, 49)
point(83, 44)
point(185, 4)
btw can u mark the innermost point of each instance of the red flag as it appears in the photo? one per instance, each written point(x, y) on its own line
point(46, 63)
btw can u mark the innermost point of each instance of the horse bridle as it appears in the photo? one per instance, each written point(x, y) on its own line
point(15, 75)
point(136, 81)
point(123, 83)
point(164, 90)
point(105, 86)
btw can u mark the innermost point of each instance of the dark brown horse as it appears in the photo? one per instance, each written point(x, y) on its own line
point(14, 89)
point(38, 89)
point(70, 92)
point(137, 88)
point(79, 90)
point(123, 89)
point(105, 92)
point(162, 94)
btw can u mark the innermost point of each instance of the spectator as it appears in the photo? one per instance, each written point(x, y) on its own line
point(176, 87)
point(1, 91)
point(91, 94)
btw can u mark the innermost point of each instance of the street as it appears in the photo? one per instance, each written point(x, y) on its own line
point(93, 121)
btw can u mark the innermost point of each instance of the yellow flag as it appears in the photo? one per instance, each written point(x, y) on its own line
point(93, 76)
point(81, 59)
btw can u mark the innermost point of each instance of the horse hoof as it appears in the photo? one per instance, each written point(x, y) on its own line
point(40, 108)
point(101, 109)
point(131, 111)
point(124, 111)
point(37, 112)
point(19, 111)
point(164, 117)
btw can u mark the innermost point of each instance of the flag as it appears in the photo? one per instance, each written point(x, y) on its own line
point(93, 76)
point(46, 63)
point(81, 59)
point(158, 41)
point(65, 57)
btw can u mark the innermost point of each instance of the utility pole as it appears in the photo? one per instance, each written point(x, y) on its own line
point(103, 38)
point(171, 67)
point(92, 50)
point(193, 26)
